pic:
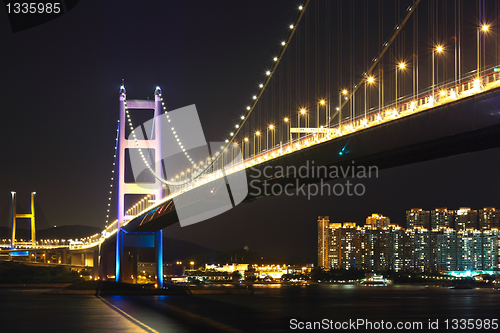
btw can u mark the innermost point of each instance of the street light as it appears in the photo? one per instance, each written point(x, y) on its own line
point(343, 92)
point(271, 127)
point(303, 111)
point(322, 102)
point(438, 49)
point(370, 80)
point(483, 28)
point(401, 66)
point(254, 143)
point(258, 147)
point(245, 140)
point(286, 120)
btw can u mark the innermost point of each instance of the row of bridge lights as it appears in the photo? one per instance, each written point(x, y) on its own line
point(112, 174)
point(258, 134)
point(369, 80)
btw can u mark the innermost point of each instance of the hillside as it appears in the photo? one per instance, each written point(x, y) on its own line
point(62, 232)
point(173, 249)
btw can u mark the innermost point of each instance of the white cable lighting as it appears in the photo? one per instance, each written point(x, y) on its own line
point(229, 140)
point(164, 181)
point(112, 173)
point(269, 73)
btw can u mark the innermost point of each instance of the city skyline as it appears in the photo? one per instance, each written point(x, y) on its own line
point(250, 166)
point(392, 248)
point(76, 176)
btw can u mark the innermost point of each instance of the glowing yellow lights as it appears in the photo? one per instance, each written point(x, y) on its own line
point(303, 111)
point(322, 102)
point(442, 93)
point(485, 27)
point(439, 49)
point(191, 263)
point(291, 26)
point(370, 79)
point(286, 120)
point(271, 126)
point(402, 65)
point(257, 133)
point(344, 91)
point(283, 43)
point(275, 59)
point(268, 73)
point(246, 139)
point(300, 7)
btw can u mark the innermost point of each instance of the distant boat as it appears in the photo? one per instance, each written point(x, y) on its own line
point(374, 279)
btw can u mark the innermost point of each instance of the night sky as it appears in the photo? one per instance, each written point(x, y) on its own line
point(59, 87)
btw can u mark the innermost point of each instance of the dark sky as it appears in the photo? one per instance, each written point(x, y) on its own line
point(59, 100)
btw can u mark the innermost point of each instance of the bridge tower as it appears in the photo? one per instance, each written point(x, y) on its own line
point(133, 240)
point(15, 216)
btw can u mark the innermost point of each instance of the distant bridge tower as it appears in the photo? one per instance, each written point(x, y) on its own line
point(15, 216)
point(132, 240)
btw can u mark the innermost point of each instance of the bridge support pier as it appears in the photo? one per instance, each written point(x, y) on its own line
point(159, 258)
point(124, 256)
point(14, 216)
point(61, 257)
point(106, 261)
point(126, 268)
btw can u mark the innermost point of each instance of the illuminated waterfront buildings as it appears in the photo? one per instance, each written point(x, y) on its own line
point(415, 249)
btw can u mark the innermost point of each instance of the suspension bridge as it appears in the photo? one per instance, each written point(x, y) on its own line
point(429, 87)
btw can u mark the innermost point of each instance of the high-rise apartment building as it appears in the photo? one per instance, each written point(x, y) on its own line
point(416, 217)
point(323, 222)
point(342, 245)
point(491, 248)
point(465, 219)
point(446, 245)
point(488, 218)
point(441, 218)
point(378, 221)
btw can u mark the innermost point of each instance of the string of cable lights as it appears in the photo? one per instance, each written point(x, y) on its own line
point(112, 173)
point(268, 75)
